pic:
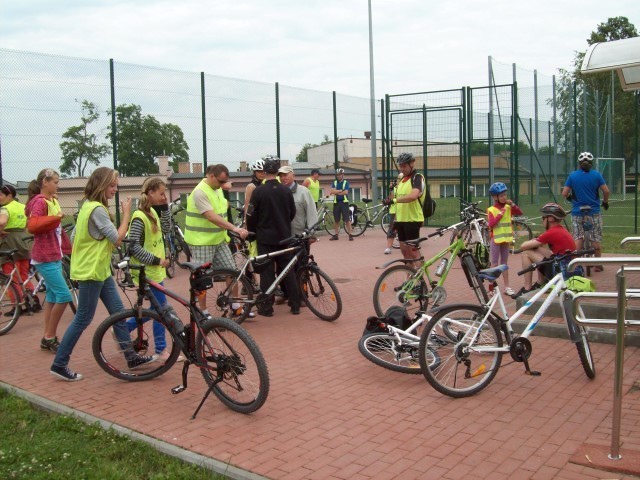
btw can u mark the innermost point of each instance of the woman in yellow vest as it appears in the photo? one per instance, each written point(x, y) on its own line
point(13, 222)
point(146, 234)
point(499, 219)
point(95, 237)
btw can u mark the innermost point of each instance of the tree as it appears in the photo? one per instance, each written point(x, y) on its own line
point(142, 138)
point(81, 148)
point(572, 84)
point(302, 156)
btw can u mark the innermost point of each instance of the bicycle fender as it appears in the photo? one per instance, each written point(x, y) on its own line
point(399, 260)
point(566, 302)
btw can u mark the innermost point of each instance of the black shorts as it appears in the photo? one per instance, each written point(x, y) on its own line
point(341, 210)
point(408, 230)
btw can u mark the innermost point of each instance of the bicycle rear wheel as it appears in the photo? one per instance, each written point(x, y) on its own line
point(9, 304)
point(385, 222)
point(72, 285)
point(521, 233)
point(329, 222)
point(120, 361)
point(234, 363)
point(584, 352)
point(319, 293)
point(463, 370)
point(183, 248)
point(234, 303)
point(171, 268)
point(386, 351)
point(396, 286)
point(359, 225)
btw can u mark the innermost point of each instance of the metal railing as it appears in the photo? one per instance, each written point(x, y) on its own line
point(623, 294)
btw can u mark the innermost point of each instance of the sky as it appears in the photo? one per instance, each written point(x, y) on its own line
point(323, 45)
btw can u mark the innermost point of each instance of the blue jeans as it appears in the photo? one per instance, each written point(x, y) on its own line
point(158, 330)
point(89, 292)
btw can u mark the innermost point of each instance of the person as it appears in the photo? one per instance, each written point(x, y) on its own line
point(206, 224)
point(312, 183)
point(146, 246)
point(270, 214)
point(94, 239)
point(583, 188)
point(46, 253)
point(391, 233)
point(554, 240)
point(13, 235)
point(499, 219)
point(306, 213)
point(257, 178)
point(340, 190)
point(409, 217)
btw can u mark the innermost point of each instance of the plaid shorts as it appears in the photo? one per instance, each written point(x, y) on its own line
point(578, 221)
point(219, 255)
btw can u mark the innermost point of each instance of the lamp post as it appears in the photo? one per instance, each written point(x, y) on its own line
point(374, 160)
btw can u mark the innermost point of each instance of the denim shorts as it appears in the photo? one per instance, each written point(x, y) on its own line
point(57, 289)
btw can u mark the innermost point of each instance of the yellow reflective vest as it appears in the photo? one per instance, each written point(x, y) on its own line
point(153, 243)
point(502, 232)
point(198, 230)
point(91, 259)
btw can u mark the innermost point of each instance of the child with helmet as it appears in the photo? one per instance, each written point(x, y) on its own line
point(499, 219)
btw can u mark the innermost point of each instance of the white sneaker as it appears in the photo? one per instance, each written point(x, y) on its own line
point(509, 291)
point(387, 251)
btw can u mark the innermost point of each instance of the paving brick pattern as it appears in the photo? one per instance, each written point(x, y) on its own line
point(331, 414)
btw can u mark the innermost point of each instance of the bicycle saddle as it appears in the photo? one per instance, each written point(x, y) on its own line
point(493, 273)
point(366, 200)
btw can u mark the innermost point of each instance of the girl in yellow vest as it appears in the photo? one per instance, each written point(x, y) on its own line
point(146, 233)
point(13, 235)
point(499, 218)
point(95, 237)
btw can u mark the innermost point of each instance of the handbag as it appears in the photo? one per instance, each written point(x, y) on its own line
point(42, 224)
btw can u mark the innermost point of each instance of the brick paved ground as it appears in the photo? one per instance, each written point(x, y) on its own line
point(331, 414)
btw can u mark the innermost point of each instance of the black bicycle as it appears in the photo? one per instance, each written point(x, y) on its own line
point(229, 359)
point(174, 242)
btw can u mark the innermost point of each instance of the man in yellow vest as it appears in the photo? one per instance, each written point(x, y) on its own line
point(206, 224)
point(410, 194)
point(313, 185)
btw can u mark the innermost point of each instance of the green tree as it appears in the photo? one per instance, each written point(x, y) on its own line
point(573, 85)
point(81, 148)
point(142, 138)
point(302, 156)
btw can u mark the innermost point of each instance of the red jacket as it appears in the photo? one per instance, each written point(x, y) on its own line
point(46, 246)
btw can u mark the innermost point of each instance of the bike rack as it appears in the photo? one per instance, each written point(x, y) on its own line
point(623, 295)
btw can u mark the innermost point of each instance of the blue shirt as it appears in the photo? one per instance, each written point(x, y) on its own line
point(585, 186)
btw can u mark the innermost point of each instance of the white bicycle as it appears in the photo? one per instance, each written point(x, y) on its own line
point(477, 336)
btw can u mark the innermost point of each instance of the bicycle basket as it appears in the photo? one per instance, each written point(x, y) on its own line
point(201, 280)
point(580, 284)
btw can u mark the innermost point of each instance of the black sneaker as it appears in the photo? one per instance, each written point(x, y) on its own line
point(334, 237)
point(520, 292)
point(140, 360)
point(350, 238)
point(49, 344)
point(65, 373)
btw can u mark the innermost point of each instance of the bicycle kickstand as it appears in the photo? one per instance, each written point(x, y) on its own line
point(206, 395)
point(528, 371)
point(183, 387)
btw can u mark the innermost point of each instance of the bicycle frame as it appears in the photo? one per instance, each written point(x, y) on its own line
point(251, 261)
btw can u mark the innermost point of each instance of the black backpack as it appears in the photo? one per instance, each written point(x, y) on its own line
point(427, 203)
point(395, 315)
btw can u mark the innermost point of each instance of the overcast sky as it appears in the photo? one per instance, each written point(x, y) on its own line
point(419, 45)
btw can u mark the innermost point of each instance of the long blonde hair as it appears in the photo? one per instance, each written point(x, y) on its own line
point(96, 188)
point(35, 186)
point(151, 184)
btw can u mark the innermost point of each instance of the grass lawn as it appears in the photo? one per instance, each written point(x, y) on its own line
point(41, 445)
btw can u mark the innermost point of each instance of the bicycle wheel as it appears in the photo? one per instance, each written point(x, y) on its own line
point(118, 361)
point(521, 233)
point(234, 363)
point(463, 370)
point(171, 268)
point(9, 304)
point(183, 248)
point(385, 222)
point(234, 303)
point(359, 226)
point(72, 285)
point(386, 351)
point(397, 286)
point(319, 293)
point(329, 222)
point(584, 352)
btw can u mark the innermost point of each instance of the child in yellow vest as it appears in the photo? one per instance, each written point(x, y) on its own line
point(499, 218)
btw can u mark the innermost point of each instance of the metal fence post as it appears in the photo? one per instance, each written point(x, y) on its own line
point(336, 163)
point(204, 122)
point(277, 119)
point(114, 132)
point(617, 381)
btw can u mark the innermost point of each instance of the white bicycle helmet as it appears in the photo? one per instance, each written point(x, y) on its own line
point(340, 171)
point(258, 166)
point(585, 157)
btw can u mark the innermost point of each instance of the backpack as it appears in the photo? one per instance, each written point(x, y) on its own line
point(427, 203)
point(395, 315)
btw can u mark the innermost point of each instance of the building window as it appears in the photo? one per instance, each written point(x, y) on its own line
point(236, 198)
point(448, 190)
point(356, 194)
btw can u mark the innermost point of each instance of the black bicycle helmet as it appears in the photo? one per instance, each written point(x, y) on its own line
point(272, 165)
point(553, 210)
point(405, 158)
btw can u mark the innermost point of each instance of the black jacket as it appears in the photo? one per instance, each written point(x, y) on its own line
point(270, 212)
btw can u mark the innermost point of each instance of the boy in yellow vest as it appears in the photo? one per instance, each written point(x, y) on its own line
point(313, 184)
point(499, 219)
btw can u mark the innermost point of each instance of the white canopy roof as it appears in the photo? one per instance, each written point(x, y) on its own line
point(623, 56)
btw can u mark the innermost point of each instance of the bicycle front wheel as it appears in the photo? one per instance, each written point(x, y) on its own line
point(584, 352)
point(232, 362)
point(465, 366)
point(183, 248)
point(521, 233)
point(398, 286)
point(385, 222)
point(9, 304)
point(171, 268)
point(124, 361)
point(72, 285)
point(230, 296)
point(359, 225)
point(386, 351)
point(319, 293)
point(329, 222)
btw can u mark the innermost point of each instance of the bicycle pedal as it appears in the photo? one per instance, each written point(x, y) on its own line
point(178, 389)
point(533, 373)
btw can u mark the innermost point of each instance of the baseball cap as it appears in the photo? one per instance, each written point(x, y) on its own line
point(285, 169)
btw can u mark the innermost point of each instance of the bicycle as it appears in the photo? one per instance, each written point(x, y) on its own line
point(587, 228)
point(318, 292)
point(477, 336)
point(476, 233)
point(230, 361)
point(412, 288)
point(368, 216)
point(174, 241)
